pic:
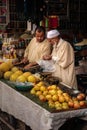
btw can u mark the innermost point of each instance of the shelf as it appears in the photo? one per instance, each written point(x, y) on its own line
point(17, 28)
point(16, 19)
point(3, 13)
point(57, 8)
point(2, 6)
point(1, 16)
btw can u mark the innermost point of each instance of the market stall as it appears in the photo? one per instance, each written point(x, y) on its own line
point(38, 118)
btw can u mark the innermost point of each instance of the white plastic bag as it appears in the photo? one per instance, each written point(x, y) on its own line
point(47, 65)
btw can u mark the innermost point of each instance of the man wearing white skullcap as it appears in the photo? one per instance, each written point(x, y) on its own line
point(63, 57)
point(53, 33)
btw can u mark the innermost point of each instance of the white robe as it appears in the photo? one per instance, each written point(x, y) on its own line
point(64, 63)
point(35, 50)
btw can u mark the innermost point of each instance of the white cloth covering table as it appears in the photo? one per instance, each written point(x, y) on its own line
point(33, 115)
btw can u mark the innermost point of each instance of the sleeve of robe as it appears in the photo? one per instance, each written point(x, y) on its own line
point(27, 48)
point(46, 50)
point(66, 55)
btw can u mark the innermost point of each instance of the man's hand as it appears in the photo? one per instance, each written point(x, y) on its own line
point(27, 66)
point(30, 65)
point(24, 60)
point(47, 57)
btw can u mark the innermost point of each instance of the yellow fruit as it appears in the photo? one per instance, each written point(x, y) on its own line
point(51, 104)
point(14, 69)
point(13, 77)
point(42, 97)
point(38, 93)
point(61, 99)
point(45, 92)
point(32, 79)
point(19, 72)
point(33, 92)
point(7, 74)
point(21, 78)
point(48, 97)
point(55, 97)
point(53, 87)
point(40, 83)
point(52, 92)
point(26, 74)
point(4, 67)
point(42, 88)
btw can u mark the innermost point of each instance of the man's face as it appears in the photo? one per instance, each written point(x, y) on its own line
point(39, 36)
point(53, 40)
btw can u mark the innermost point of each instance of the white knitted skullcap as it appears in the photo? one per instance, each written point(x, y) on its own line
point(53, 33)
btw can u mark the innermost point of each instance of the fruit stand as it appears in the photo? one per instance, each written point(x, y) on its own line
point(37, 117)
point(39, 100)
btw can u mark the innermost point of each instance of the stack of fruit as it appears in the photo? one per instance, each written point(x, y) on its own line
point(5, 66)
point(53, 95)
point(56, 98)
point(13, 73)
point(16, 74)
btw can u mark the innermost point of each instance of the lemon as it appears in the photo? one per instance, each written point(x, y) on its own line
point(7, 74)
point(21, 78)
point(32, 79)
point(33, 92)
point(13, 77)
point(14, 69)
point(19, 72)
point(40, 83)
point(26, 74)
point(4, 67)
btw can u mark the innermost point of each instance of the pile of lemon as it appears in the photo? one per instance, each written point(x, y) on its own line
point(15, 74)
